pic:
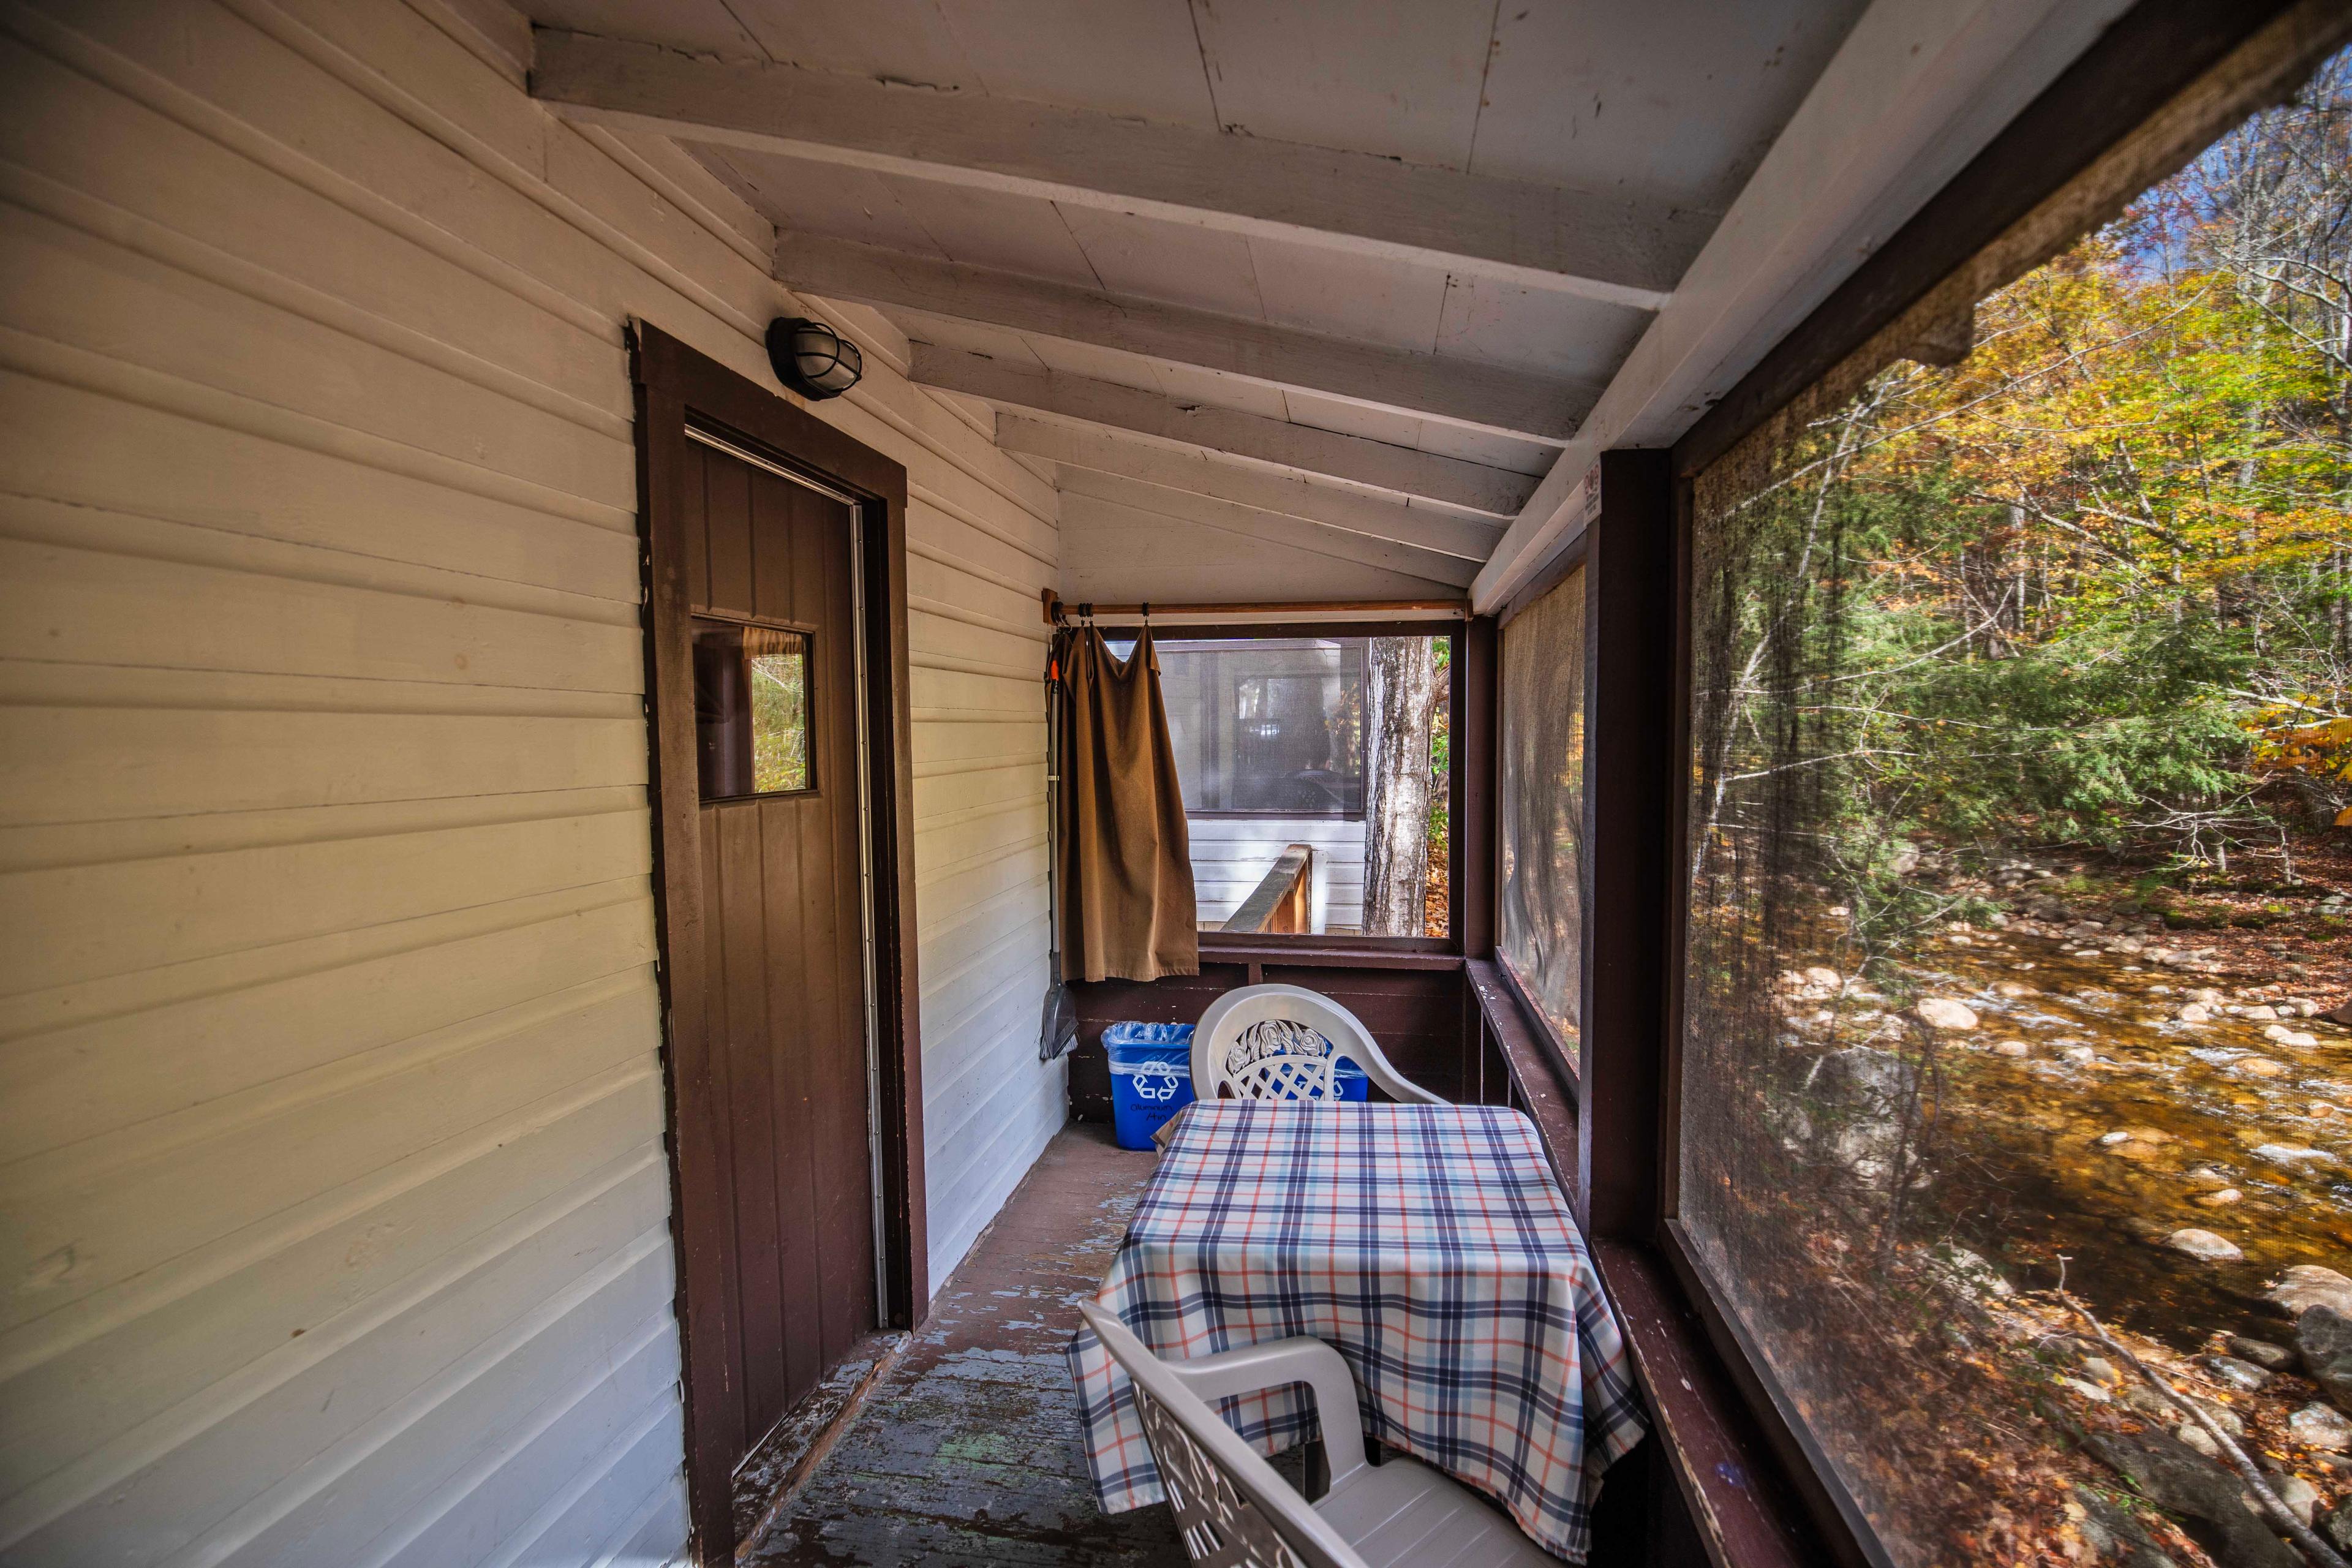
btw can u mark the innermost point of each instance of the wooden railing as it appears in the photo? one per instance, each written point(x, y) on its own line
point(1279, 902)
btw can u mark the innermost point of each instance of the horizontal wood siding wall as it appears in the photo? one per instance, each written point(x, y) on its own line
point(1232, 854)
point(331, 1110)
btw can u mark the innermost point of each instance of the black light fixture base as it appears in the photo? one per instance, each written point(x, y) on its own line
point(811, 359)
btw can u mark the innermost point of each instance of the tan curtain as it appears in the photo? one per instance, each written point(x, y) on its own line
point(1125, 859)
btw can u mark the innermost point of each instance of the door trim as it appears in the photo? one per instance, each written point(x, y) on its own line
point(674, 384)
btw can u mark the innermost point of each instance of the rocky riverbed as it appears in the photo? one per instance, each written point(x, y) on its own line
point(2158, 1118)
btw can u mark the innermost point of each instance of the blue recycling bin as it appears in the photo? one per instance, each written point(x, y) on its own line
point(1152, 1078)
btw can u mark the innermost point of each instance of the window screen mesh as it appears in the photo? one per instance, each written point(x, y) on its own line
point(1542, 785)
point(2016, 751)
point(1271, 727)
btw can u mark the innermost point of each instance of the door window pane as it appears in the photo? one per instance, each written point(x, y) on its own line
point(1542, 785)
point(751, 709)
point(2017, 750)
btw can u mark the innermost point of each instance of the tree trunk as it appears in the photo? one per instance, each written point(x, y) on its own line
point(1399, 711)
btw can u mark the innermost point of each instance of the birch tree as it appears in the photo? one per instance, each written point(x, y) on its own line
point(1399, 711)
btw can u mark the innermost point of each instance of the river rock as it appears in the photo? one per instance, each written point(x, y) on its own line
point(2324, 1336)
point(1824, 978)
point(1969, 1271)
point(2308, 1285)
point(2336, 1525)
point(2109, 1140)
point(2230, 1373)
point(2302, 1498)
point(2291, 1154)
point(2339, 1014)
point(2221, 1199)
point(2112, 1533)
point(2011, 1049)
point(2203, 1246)
point(2172, 1475)
point(1944, 1013)
point(2220, 1414)
point(2207, 994)
point(2262, 1352)
point(2260, 1014)
point(2077, 1053)
point(2012, 989)
point(2318, 1426)
point(1853, 1108)
point(2195, 1013)
point(2287, 1037)
point(2257, 1066)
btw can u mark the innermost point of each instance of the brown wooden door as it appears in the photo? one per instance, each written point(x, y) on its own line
point(769, 565)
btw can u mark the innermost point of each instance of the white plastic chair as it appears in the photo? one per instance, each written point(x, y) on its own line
point(1235, 1511)
point(1278, 1042)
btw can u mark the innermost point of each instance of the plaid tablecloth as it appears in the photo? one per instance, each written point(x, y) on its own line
point(1428, 1245)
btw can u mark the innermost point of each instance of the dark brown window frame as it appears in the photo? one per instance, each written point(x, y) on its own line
point(2161, 84)
point(1246, 946)
point(674, 385)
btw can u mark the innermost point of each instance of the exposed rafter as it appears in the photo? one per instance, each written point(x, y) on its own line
point(1108, 452)
point(1082, 488)
point(1458, 391)
point(1380, 465)
point(1577, 242)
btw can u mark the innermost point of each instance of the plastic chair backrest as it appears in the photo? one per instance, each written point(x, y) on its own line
point(1232, 1510)
point(1278, 1042)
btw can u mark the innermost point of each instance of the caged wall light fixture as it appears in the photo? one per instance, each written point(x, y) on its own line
point(813, 359)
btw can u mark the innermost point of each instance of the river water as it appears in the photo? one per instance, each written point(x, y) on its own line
point(2031, 1170)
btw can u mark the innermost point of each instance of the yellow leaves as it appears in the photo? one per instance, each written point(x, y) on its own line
point(2322, 748)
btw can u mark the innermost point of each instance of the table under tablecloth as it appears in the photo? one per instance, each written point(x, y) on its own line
point(1428, 1245)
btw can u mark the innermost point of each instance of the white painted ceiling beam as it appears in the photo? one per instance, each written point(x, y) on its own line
point(1358, 460)
point(1078, 447)
point(1084, 488)
point(1918, 89)
point(1457, 391)
point(1596, 245)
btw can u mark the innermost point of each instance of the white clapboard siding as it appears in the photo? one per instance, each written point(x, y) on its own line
point(1230, 855)
point(330, 1107)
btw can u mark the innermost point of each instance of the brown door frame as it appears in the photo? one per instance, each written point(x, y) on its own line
point(674, 384)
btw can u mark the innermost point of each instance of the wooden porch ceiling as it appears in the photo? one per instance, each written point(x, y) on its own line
point(1324, 300)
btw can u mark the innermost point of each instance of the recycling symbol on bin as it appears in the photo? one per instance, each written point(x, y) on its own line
point(1156, 1086)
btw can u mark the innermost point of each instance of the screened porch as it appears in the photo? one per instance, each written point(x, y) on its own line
point(648, 646)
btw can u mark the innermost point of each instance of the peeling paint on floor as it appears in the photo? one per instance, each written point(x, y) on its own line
point(966, 1451)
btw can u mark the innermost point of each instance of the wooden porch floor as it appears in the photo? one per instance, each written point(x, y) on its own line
point(967, 1452)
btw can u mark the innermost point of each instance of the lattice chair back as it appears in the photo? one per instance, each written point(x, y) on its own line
point(1232, 1507)
point(1281, 1042)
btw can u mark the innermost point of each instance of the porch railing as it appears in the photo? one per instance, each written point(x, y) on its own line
point(1279, 902)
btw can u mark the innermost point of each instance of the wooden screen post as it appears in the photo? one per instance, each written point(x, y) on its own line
point(1629, 620)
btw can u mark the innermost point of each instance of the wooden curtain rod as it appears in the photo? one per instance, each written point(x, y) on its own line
point(1056, 612)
